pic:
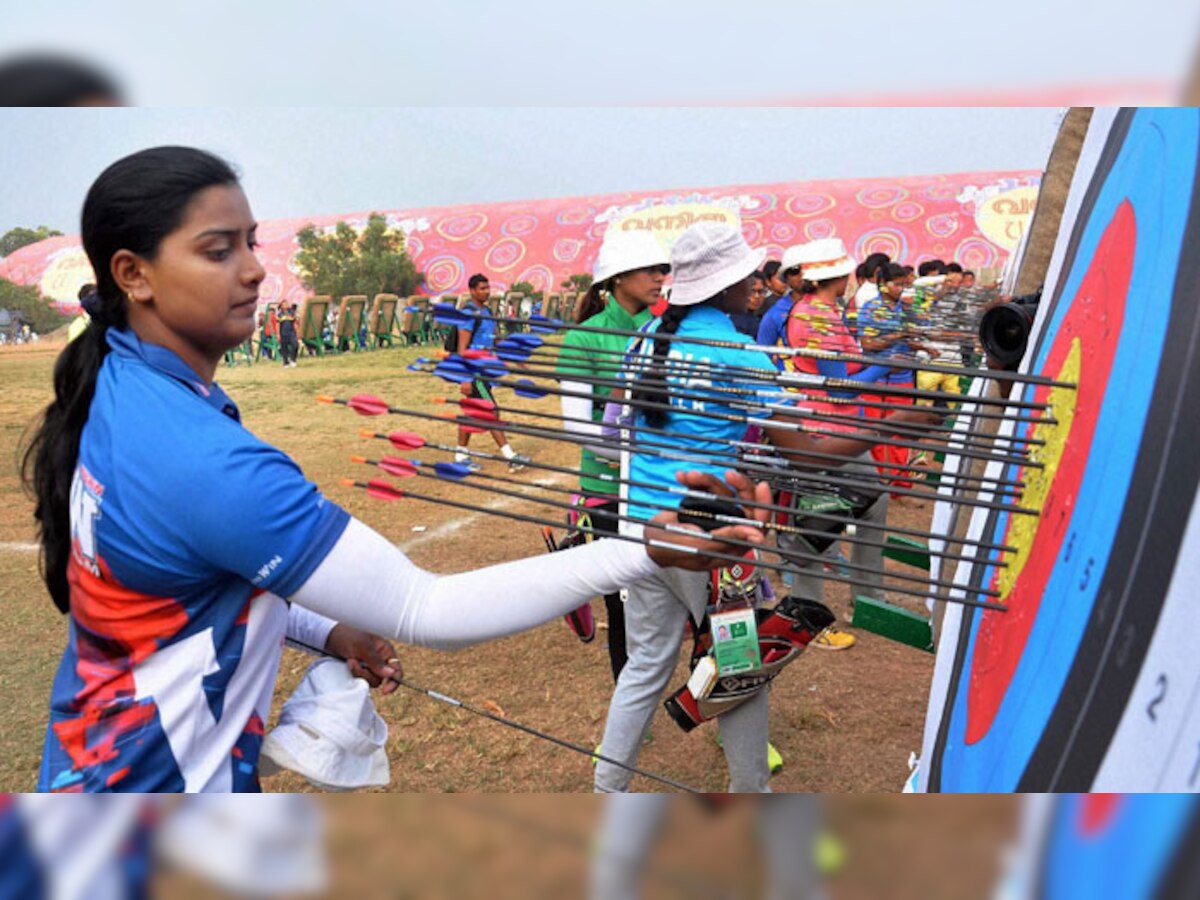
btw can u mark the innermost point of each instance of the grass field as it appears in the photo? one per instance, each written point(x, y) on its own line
point(843, 721)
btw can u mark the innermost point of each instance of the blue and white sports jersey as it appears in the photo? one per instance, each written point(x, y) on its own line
point(693, 431)
point(483, 337)
point(186, 532)
point(772, 330)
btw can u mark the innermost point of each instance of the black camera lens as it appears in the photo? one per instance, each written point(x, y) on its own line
point(1004, 331)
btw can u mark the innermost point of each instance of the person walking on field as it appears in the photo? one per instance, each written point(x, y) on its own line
point(481, 335)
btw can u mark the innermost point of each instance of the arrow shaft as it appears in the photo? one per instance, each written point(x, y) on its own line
point(749, 374)
point(684, 549)
point(689, 492)
point(773, 351)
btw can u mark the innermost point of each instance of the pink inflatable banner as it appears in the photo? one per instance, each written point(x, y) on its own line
point(974, 218)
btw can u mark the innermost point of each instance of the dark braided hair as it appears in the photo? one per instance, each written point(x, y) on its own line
point(652, 383)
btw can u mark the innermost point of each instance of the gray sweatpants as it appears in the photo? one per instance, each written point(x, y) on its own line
point(808, 578)
point(655, 614)
point(632, 825)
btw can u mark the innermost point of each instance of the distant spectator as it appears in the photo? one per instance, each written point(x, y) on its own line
point(968, 279)
point(954, 276)
point(288, 341)
point(748, 321)
point(931, 267)
point(776, 286)
point(772, 328)
point(867, 289)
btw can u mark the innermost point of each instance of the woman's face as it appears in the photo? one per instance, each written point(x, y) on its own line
point(737, 297)
point(642, 286)
point(199, 295)
point(758, 293)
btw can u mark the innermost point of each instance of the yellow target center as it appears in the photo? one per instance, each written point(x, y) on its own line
point(1024, 528)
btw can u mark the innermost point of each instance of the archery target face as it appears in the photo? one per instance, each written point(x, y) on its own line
point(1037, 693)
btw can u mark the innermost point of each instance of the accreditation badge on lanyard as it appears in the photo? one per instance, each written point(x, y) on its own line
point(735, 641)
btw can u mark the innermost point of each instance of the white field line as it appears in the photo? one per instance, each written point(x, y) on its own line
point(454, 525)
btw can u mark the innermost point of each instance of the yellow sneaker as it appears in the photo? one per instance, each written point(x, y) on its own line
point(774, 758)
point(833, 639)
point(829, 854)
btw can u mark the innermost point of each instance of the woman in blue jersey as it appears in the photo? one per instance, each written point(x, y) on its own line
point(712, 266)
point(179, 594)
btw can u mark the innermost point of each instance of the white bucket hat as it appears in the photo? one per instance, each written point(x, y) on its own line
point(329, 731)
point(824, 259)
point(627, 251)
point(793, 257)
point(264, 845)
point(708, 258)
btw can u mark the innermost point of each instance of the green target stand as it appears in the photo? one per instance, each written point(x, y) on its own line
point(888, 620)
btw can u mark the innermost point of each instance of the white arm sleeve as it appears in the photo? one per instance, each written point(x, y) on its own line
point(367, 582)
point(309, 628)
point(574, 408)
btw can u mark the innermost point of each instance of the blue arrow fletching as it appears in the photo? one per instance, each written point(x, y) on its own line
point(526, 388)
point(492, 368)
point(454, 471)
point(446, 314)
point(448, 371)
point(512, 346)
point(515, 356)
point(541, 325)
point(532, 341)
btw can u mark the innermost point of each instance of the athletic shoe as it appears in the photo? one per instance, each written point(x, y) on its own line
point(518, 462)
point(828, 854)
point(833, 639)
point(472, 464)
point(774, 758)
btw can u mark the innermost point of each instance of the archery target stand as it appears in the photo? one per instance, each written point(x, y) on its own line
point(893, 622)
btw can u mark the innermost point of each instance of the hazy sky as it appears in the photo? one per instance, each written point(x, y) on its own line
point(298, 162)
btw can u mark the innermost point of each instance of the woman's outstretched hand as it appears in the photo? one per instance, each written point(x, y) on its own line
point(736, 487)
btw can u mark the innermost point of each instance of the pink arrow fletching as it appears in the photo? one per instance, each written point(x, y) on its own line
point(478, 405)
point(401, 468)
point(381, 490)
point(367, 405)
point(406, 440)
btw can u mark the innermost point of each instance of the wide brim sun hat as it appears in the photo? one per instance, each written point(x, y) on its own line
point(329, 731)
point(793, 257)
point(628, 251)
point(824, 259)
point(708, 258)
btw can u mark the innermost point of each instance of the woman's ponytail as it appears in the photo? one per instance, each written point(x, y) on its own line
point(653, 386)
point(133, 205)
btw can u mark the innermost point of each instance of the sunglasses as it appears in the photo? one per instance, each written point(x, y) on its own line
point(793, 271)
